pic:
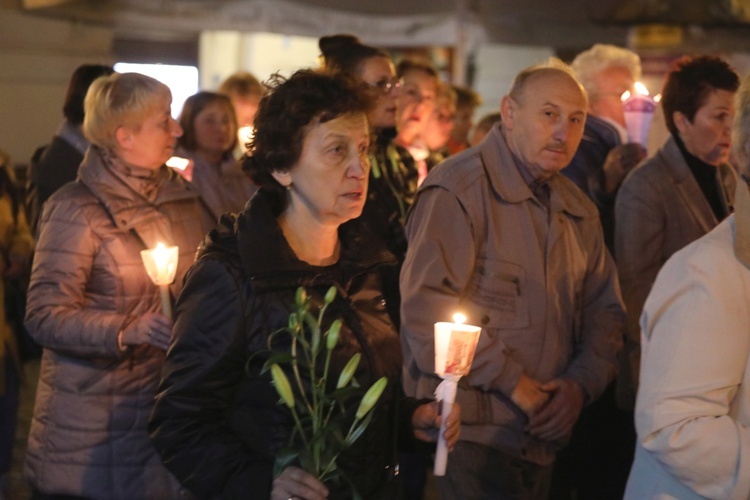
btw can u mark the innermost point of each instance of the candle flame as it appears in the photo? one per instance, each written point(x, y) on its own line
point(161, 263)
point(244, 134)
point(657, 98)
point(459, 318)
point(640, 88)
point(178, 163)
point(160, 255)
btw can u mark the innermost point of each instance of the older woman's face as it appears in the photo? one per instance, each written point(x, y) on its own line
point(709, 135)
point(439, 125)
point(329, 181)
point(416, 102)
point(379, 72)
point(214, 129)
point(153, 143)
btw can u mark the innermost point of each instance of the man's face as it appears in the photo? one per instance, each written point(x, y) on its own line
point(544, 125)
point(610, 84)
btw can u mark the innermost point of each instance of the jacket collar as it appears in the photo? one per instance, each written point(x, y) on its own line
point(124, 204)
point(506, 180)
point(600, 131)
point(265, 252)
point(687, 187)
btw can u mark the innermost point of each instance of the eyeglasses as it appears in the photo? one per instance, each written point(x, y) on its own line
point(386, 86)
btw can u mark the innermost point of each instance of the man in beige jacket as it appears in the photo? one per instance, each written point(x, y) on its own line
point(499, 235)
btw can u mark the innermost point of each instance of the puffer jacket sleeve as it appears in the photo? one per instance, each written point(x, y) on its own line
point(58, 315)
point(204, 367)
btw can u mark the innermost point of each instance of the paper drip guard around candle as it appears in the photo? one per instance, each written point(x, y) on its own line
point(161, 266)
point(455, 344)
point(639, 110)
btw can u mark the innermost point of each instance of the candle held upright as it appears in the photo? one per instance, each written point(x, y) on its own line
point(639, 110)
point(161, 265)
point(455, 344)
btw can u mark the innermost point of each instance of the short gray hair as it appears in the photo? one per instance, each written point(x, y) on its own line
point(741, 128)
point(598, 58)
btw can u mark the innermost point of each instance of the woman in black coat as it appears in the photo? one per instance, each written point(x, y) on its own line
point(217, 423)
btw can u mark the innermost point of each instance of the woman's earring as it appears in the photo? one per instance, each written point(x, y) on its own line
point(288, 187)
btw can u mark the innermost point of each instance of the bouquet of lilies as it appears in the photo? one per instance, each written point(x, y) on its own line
point(317, 407)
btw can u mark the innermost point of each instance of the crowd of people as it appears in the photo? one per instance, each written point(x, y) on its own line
point(609, 283)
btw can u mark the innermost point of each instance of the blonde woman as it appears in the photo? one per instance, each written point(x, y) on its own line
point(92, 306)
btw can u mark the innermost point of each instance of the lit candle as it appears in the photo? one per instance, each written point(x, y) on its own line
point(455, 344)
point(639, 110)
point(183, 166)
point(244, 135)
point(161, 266)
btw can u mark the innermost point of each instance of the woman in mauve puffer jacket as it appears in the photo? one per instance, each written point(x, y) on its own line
point(94, 309)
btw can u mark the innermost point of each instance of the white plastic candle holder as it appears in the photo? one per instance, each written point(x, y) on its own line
point(455, 344)
point(161, 265)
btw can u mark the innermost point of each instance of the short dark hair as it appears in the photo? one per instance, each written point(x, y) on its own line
point(466, 97)
point(284, 116)
point(79, 84)
point(690, 82)
point(345, 54)
point(192, 108)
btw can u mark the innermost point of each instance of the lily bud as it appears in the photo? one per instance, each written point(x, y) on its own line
point(330, 295)
point(301, 297)
point(293, 322)
point(332, 337)
point(281, 383)
point(371, 397)
point(348, 372)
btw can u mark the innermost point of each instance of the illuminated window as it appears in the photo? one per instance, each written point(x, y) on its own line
point(181, 80)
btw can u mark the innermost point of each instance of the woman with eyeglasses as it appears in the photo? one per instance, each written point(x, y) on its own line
point(393, 176)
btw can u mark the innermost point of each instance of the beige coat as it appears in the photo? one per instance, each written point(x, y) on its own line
point(88, 435)
point(541, 284)
point(660, 208)
point(693, 408)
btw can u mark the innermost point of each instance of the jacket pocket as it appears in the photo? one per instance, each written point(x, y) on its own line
point(496, 295)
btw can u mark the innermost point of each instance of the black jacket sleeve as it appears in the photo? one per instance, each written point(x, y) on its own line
point(204, 368)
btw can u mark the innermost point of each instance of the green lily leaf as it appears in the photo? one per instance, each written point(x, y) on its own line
point(358, 430)
point(312, 324)
point(277, 358)
point(284, 458)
